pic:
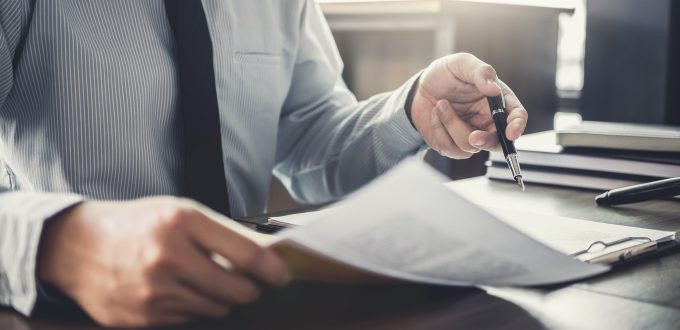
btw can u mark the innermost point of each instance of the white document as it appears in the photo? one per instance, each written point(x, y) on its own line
point(407, 225)
point(300, 219)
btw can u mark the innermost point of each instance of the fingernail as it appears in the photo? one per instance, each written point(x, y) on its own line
point(438, 109)
point(434, 119)
point(479, 143)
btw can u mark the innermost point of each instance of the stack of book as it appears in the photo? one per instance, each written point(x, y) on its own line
point(595, 155)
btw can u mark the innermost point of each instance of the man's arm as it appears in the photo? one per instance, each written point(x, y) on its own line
point(21, 214)
point(330, 144)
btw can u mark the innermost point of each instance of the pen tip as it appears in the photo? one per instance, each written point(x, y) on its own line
point(520, 183)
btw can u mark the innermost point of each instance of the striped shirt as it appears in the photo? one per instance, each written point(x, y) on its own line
point(88, 110)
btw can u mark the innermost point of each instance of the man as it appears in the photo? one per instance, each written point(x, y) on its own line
point(104, 104)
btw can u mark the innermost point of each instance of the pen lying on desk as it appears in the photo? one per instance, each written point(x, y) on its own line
point(500, 119)
point(666, 188)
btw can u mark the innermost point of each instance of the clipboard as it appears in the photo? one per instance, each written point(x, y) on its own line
point(268, 227)
point(646, 249)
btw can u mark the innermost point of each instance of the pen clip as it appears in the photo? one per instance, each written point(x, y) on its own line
point(608, 244)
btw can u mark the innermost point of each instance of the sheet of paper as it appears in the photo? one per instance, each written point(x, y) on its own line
point(567, 235)
point(299, 219)
point(407, 225)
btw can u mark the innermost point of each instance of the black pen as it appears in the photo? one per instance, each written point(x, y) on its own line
point(641, 192)
point(500, 118)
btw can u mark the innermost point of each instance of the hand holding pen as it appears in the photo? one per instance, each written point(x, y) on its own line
point(450, 108)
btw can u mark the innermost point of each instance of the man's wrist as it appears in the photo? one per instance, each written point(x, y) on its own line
point(54, 229)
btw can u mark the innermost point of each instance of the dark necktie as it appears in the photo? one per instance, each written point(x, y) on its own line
point(204, 178)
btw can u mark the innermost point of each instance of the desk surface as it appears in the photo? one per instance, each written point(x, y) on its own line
point(646, 294)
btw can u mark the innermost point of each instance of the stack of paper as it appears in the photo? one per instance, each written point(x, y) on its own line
point(544, 161)
point(606, 135)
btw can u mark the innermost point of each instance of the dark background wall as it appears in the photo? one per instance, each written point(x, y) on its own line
point(630, 66)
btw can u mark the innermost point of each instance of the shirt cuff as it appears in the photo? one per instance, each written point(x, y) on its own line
point(50, 297)
point(408, 104)
point(22, 215)
point(398, 124)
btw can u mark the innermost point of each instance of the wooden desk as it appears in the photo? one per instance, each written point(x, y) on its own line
point(643, 295)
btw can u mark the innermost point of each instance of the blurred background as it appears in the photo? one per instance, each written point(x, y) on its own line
point(607, 60)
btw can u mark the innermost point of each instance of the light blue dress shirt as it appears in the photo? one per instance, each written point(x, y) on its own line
point(88, 95)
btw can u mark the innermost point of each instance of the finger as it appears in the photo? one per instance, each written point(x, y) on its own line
point(484, 140)
point(204, 275)
point(457, 128)
point(517, 116)
point(189, 303)
point(472, 70)
point(515, 128)
point(242, 252)
point(516, 124)
point(442, 141)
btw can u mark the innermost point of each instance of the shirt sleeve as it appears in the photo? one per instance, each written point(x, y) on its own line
point(22, 214)
point(329, 144)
